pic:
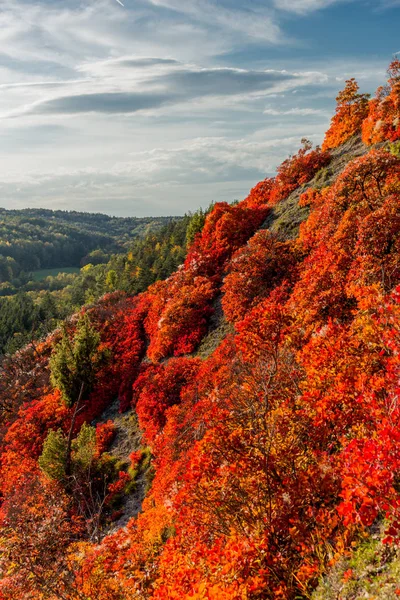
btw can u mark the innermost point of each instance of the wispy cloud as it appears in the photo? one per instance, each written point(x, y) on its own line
point(213, 167)
point(305, 6)
point(176, 86)
point(250, 19)
point(158, 82)
point(294, 111)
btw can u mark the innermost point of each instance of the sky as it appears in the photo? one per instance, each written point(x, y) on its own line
point(159, 107)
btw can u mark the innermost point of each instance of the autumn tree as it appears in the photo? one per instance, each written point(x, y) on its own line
point(158, 388)
point(351, 110)
point(254, 271)
point(298, 170)
point(383, 120)
point(37, 528)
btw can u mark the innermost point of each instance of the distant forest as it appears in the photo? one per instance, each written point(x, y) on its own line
point(34, 239)
point(112, 253)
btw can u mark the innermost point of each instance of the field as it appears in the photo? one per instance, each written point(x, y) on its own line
point(43, 273)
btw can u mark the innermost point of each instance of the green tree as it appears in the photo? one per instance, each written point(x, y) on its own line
point(395, 149)
point(196, 224)
point(54, 455)
point(75, 363)
point(84, 446)
point(112, 280)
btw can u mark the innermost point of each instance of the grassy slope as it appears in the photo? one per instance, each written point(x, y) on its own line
point(371, 571)
point(43, 273)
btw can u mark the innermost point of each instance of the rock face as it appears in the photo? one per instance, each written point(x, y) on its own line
point(128, 439)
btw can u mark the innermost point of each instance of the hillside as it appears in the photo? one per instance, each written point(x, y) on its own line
point(232, 431)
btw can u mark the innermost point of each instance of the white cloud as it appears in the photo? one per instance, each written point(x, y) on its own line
point(156, 179)
point(295, 112)
point(123, 86)
point(156, 107)
point(253, 20)
point(305, 6)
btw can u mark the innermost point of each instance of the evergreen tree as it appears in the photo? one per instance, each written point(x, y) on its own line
point(75, 363)
point(196, 225)
point(111, 280)
point(84, 446)
point(54, 455)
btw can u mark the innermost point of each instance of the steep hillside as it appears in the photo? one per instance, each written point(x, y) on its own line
point(257, 439)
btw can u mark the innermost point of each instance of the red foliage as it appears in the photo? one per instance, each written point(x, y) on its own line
point(117, 487)
point(297, 170)
point(159, 387)
point(37, 527)
point(105, 433)
point(383, 120)
point(254, 271)
point(24, 439)
point(226, 229)
point(287, 436)
point(120, 319)
point(135, 457)
point(351, 110)
point(177, 325)
point(260, 194)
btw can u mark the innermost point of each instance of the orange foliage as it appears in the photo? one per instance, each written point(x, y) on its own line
point(383, 120)
point(297, 170)
point(254, 271)
point(226, 229)
point(284, 440)
point(105, 433)
point(351, 110)
point(37, 531)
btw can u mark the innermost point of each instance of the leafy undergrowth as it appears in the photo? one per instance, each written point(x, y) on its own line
point(264, 377)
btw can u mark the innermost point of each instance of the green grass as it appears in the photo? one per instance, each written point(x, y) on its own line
point(43, 273)
point(371, 571)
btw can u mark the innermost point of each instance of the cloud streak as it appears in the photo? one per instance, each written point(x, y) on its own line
point(213, 167)
point(175, 87)
point(306, 6)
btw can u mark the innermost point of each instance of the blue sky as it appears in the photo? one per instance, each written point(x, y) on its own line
point(162, 106)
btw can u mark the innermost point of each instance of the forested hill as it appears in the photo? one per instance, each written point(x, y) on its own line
point(231, 432)
point(33, 239)
point(35, 303)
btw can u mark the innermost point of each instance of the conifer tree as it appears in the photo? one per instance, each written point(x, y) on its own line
point(53, 458)
point(75, 363)
point(196, 224)
point(84, 447)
